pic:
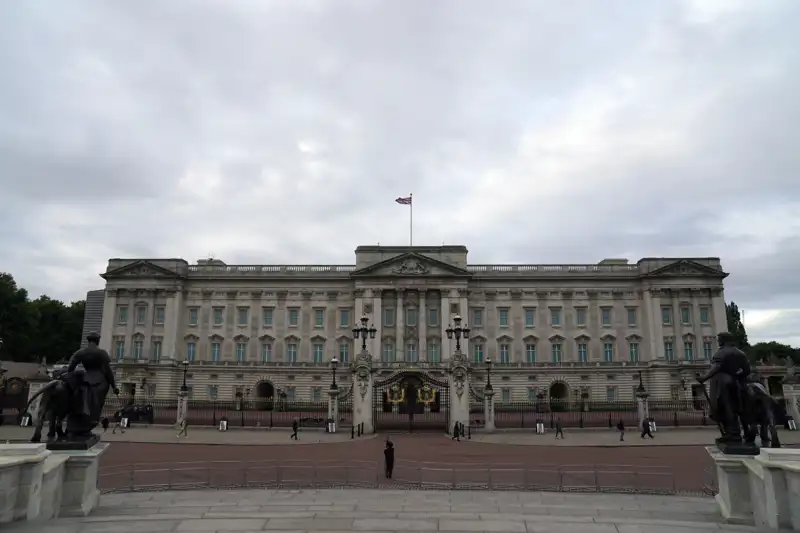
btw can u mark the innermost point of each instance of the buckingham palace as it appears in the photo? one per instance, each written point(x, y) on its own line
point(561, 331)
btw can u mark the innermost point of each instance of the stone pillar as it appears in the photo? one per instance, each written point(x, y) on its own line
point(21, 474)
point(172, 328)
point(444, 320)
point(422, 328)
point(733, 499)
point(333, 405)
point(774, 481)
point(183, 406)
point(377, 316)
point(642, 408)
point(488, 410)
point(399, 320)
point(459, 389)
point(80, 494)
point(362, 392)
point(109, 319)
point(718, 308)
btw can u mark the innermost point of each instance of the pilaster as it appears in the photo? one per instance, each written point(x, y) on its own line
point(422, 321)
point(718, 308)
point(488, 410)
point(109, 318)
point(400, 320)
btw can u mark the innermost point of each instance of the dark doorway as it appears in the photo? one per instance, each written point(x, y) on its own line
point(559, 396)
point(265, 393)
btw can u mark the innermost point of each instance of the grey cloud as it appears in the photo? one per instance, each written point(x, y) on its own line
point(531, 132)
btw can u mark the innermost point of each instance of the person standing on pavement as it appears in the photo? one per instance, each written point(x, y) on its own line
point(118, 423)
point(388, 457)
point(621, 429)
point(646, 429)
point(456, 433)
point(184, 428)
point(559, 429)
point(294, 429)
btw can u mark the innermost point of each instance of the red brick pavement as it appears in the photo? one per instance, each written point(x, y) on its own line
point(442, 461)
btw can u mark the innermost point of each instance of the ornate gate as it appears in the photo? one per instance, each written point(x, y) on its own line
point(411, 401)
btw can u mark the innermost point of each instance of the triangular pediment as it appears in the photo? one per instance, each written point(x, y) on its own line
point(411, 265)
point(686, 268)
point(140, 269)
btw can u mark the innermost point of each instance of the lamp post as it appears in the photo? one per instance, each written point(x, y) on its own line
point(334, 364)
point(457, 332)
point(488, 373)
point(364, 331)
point(640, 389)
point(185, 364)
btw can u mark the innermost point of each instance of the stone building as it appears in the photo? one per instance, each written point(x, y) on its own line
point(563, 331)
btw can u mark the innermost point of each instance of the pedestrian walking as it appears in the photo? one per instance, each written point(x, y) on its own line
point(456, 433)
point(559, 429)
point(646, 429)
point(184, 428)
point(621, 429)
point(118, 423)
point(388, 458)
point(105, 424)
point(294, 429)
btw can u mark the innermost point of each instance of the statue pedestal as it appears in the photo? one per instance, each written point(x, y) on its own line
point(488, 410)
point(333, 405)
point(642, 408)
point(80, 494)
point(362, 392)
point(734, 499)
point(73, 445)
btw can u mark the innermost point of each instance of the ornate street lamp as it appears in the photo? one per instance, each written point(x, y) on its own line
point(334, 364)
point(640, 389)
point(488, 373)
point(185, 364)
point(457, 332)
point(364, 331)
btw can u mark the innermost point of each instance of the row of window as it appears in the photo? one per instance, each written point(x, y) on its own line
point(612, 394)
point(581, 316)
point(212, 392)
point(140, 314)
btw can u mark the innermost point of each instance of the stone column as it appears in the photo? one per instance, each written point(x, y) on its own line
point(422, 328)
point(718, 309)
point(643, 411)
point(172, 329)
point(444, 319)
point(652, 307)
point(734, 500)
point(399, 320)
point(183, 406)
point(362, 392)
point(488, 410)
point(333, 405)
point(459, 389)
point(109, 318)
point(377, 315)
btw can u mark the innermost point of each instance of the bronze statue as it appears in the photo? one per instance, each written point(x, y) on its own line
point(728, 376)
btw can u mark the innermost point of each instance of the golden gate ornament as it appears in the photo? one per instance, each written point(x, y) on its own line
point(395, 394)
point(426, 394)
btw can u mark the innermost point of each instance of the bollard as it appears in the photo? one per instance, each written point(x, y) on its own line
point(469, 432)
point(353, 432)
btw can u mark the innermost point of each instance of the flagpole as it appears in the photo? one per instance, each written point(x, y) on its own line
point(411, 221)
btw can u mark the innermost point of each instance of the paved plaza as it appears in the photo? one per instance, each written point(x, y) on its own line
point(370, 510)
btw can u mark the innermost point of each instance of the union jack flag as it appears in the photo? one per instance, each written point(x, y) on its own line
point(404, 200)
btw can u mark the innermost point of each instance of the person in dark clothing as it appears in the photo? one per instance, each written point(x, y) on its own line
point(456, 432)
point(104, 423)
point(559, 429)
point(621, 429)
point(388, 456)
point(294, 430)
point(646, 429)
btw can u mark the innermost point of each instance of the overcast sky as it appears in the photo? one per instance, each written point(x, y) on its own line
point(282, 131)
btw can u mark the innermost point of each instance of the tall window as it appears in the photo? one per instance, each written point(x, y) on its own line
point(555, 317)
point(669, 351)
point(193, 316)
point(477, 352)
point(686, 316)
point(708, 350)
point(530, 353)
point(241, 351)
point(318, 349)
point(688, 350)
point(344, 318)
point(158, 317)
point(388, 352)
point(319, 318)
point(138, 348)
point(411, 316)
point(704, 315)
point(506, 395)
point(344, 352)
point(212, 392)
point(316, 394)
point(583, 352)
point(503, 317)
point(122, 314)
point(477, 318)
point(556, 349)
point(291, 352)
point(530, 315)
point(580, 316)
point(266, 352)
point(633, 350)
point(266, 316)
point(141, 315)
point(388, 317)
point(291, 394)
point(294, 317)
point(504, 353)
point(215, 351)
point(608, 352)
point(433, 352)
point(218, 316)
point(433, 316)
point(191, 351)
point(242, 316)
point(155, 352)
point(606, 316)
point(666, 316)
point(631, 317)
point(411, 352)
point(119, 350)
point(611, 394)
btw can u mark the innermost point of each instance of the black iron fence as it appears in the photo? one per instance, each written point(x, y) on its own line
point(406, 475)
point(259, 413)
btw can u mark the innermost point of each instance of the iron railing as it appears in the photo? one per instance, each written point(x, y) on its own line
point(406, 475)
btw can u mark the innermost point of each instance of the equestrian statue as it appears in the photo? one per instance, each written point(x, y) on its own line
point(737, 403)
point(77, 395)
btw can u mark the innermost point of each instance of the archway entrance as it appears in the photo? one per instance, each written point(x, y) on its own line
point(559, 396)
point(265, 395)
point(412, 401)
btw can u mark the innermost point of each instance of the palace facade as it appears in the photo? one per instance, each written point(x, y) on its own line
point(564, 331)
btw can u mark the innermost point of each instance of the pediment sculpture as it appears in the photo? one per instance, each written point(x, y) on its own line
point(410, 267)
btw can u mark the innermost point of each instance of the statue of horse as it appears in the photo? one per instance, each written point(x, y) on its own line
point(55, 405)
point(760, 409)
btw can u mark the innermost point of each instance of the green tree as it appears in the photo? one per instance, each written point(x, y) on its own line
point(765, 352)
point(42, 328)
point(736, 326)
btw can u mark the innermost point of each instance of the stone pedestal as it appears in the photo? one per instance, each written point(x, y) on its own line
point(362, 392)
point(775, 488)
point(459, 390)
point(642, 408)
point(21, 473)
point(80, 494)
point(183, 406)
point(488, 410)
point(333, 405)
point(792, 393)
point(734, 498)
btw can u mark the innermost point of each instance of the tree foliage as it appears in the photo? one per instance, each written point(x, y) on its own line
point(736, 326)
point(36, 329)
point(772, 352)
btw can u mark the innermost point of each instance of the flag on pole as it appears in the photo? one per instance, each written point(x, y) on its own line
point(404, 200)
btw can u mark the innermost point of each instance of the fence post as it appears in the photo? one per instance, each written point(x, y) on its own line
point(675, 418)
point(214, 413)
point(580, 422)
point(241, 415)
point(270, 420)
point(610, 425)
point(352, 431)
